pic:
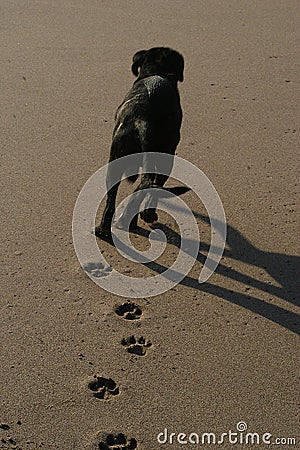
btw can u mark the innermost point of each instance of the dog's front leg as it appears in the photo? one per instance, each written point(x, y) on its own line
point(113, 175)
point(104, 229)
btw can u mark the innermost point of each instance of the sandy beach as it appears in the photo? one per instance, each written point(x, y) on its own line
point(217, 356)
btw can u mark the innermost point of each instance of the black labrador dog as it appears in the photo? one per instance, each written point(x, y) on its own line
point(148, 120)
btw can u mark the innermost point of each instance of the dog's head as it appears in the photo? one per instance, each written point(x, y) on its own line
point(161, 61)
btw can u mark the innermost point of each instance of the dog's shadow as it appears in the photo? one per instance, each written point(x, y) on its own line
point(284, 269)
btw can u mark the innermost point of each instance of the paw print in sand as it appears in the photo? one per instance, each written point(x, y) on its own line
point(137, 347)
point(103, 388)
point(129, 311)
point(97, 270)
point(117, 442)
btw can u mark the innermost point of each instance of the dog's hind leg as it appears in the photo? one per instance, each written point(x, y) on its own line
point(149, 214)
point(130, 215)
point(146, 137)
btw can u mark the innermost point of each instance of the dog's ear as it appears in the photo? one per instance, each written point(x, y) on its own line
point(180, 75)
point(179, 67)
point(137, 61)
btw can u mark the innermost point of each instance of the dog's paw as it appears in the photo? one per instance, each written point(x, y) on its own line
point(149, 215)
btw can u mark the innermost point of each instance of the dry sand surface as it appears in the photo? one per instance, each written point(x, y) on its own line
point(222, 352)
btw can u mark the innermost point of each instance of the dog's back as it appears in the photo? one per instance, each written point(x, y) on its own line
point(149, 118)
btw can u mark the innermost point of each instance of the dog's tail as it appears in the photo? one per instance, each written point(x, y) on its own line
point(177, 190)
